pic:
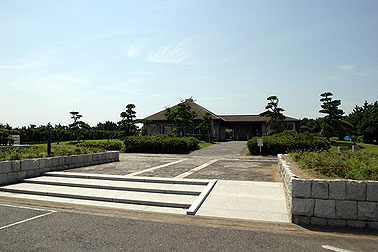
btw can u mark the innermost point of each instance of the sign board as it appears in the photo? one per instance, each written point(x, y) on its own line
point(260, 142)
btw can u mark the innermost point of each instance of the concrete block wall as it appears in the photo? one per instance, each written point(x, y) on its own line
point(16, 170)
point(330, 202)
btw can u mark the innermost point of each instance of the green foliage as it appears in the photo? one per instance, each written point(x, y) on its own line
point(182, 115)
point(332, 124)
point(229, 133)
point(160, 144)
point(364, 121)
point(275, 123)
point(40, 151)
point(127, 125)
point(106, 145)
point(288, 141)
point(351, 165)
point(77, 124)
point(204, 128)
point(4, 137)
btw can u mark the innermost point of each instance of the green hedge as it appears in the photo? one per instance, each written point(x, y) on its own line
point(160, 144)
point(107, 145)
point(41, 151)
point(289, 141)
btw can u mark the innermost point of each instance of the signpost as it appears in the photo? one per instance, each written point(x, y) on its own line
point(260, 143)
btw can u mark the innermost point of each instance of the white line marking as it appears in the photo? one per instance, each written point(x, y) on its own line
point(335, 249)
point(201, 198)
point(155, 168)
point(29, 219)
point(185, 174)
point(31, 208)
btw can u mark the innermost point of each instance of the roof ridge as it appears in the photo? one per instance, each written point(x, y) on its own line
point(206, 110)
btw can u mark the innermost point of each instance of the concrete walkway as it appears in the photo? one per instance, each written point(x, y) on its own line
point(262, 201)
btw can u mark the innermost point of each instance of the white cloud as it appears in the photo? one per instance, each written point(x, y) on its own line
point(115, 34)
point(199, 78)
point(333, 77)
point(133, 50)
point(33, 63)
point(361, 74)
point(173, 54)
point(346, 67)
point(50, 85)
point(141, 73)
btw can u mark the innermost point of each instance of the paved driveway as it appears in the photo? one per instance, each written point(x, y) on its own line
point(226, 161)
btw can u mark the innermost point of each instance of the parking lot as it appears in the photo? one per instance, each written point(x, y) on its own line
point(74, 213)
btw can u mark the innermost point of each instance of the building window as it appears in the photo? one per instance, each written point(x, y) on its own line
point(290, 126)
point(155, 129)
point(166, 129)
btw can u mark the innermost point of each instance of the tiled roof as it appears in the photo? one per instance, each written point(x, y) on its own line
point(160, 116)
point(252, 118)
point(201, 111)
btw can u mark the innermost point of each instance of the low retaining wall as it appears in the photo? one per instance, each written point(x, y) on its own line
point(342, 203)
point(17, 170)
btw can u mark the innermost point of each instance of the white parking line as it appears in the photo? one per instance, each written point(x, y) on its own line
point(335, 248)
point(185, 174)
point(29, 219)
point(155, 168)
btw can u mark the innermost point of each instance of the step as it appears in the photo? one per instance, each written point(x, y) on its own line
point(129, 178)
point(119, 185)
point(128, 197)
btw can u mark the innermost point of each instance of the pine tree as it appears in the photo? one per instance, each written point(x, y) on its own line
point(275, 123)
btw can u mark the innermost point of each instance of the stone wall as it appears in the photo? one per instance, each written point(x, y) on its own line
point(330, 202)
point(17, 170)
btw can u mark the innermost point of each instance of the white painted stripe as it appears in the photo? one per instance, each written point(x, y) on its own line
point(201, 198)
point(29, 219)
point(185, 174)
point(156, 167)
point(335, 249)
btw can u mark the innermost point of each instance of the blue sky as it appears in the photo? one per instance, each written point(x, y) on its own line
point(95, 57)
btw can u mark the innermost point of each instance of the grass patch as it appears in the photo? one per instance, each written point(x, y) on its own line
point(371, 148)
point(73, 143)
point(203, 144)
point(41, 151)
point(332, 164)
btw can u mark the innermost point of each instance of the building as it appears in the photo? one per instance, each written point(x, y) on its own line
point(242, 127)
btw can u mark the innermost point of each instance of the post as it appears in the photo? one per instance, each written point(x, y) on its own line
point(260, 143)
point(49, 143)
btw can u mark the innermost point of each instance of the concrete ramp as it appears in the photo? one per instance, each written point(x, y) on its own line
point(250, 200)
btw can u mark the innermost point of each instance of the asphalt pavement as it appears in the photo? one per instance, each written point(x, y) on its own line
point(70, 230)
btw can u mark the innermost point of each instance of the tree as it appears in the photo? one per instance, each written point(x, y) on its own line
point(275, 123)
point(204, 127)
point(182, 115)
point(332, 125)
point(75, 116)
point(364, 121)
point(127, 124)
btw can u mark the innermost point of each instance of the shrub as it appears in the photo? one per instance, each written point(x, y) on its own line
point(160, 144)
point(41, 151)
point(289, 141)
point(107, 145)
point(350, 165)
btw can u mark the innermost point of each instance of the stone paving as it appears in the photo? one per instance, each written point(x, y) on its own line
point(228, 162)
point(238, 170)
point(128, 164)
